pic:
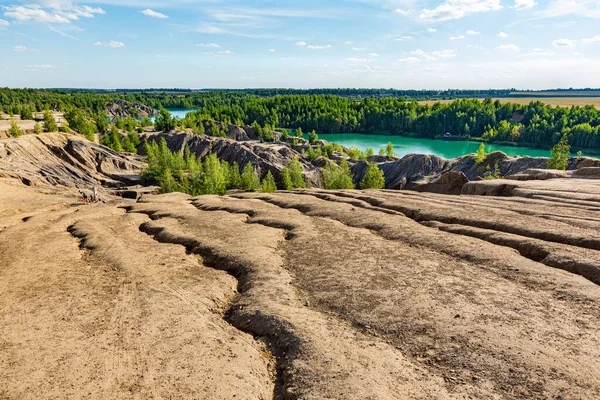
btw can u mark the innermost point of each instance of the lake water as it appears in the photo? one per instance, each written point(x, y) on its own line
point(443, 148)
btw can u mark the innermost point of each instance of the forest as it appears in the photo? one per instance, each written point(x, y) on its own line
point(535, 124)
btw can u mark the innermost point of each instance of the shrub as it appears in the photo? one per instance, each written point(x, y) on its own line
point(480, 155)
point(492, 174)
point(37, 128)
point(49, 122)
point(250, 179)
point(292, 176)
point(389, 150)
point(560, 154)
point(373, 179)
point(268, 184)
point(14, 130)
point(313, 137)
point(337, 177)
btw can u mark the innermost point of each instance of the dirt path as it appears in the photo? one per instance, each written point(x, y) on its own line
point(304, 295)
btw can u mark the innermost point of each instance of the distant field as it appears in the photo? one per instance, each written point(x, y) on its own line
point(553, 101)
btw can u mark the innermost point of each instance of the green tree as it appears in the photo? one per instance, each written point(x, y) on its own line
point(480, 155)
point(26, 113)
point(292, 176)
point(14, 130)
point(214, 177)
point(373, 178)
point(268, 184)
point(37, 128)
point(337, 177)
point(250, 179)
point(560, 154)
point(235, 178)
point(164, 121)
point(389, 150)
point(298, 132)
point(49, 122)
point(313, 137)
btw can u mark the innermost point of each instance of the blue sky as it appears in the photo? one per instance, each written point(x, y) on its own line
point(409, 44)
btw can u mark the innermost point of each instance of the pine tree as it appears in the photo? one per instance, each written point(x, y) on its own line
point(480, 155)
point(37, 128)
point(560, 154)
point(338, 177)
point(293, 175)
point(14, 130)
point(250, 179)
point(214, 178)
point(268, 184)
point(389, 150)
point(373, 179)
point(235, 179)
point(49, 122)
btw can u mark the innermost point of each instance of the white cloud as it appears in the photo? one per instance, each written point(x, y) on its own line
point(559, 8)
point(301, 44)
point(150, 13)
point(4, 23)
point(224, 52)
point(402, 12)
point(524, 4)
point(318, 47)
point(502, 35)
point(348, 42)
point(404, 38)
point(409, 60)
point(357, 60)
point(112, 44)
point(431, 30)
point(358, 49)
point(272, 50)
point(209, 29)
point(209, 45)
point(459, 37)
point(434, 55)
point(40, 66)
point(537, 52)
point(508, 47)
point(472, 32)
point(20, 48)
point(21, 13)
point(373, 55)
point(455, 9)
point(594, 39)
point(61, 33)
point(564, 43)
point(289, 58)
point(473, 46)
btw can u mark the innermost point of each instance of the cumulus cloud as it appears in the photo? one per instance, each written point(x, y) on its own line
point(357, 60)
point(209, 45)
point(402, 12)
point(502, 35)
point(564, 43)
point(20, 48)
point(455, 9)
point(348, 42)
point(151, 13)
point(431, 30)
point(40, 66)
point(459, 37)
point(472, 32)
point(409, 60)
point(373, 55)
point(537, 52)
point(524, 4)
point(508, 47)
point(4, 23)
point(272, 50)
point(404, 38)
point(434, 55)
point(224, 52)
point(301, 44)
point(358, 49)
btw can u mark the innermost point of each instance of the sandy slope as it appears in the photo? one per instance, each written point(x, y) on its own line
point(304, 295)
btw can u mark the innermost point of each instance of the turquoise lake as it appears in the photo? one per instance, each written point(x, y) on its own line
point(407, 145)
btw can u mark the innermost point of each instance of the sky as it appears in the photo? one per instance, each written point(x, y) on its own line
point(403, 44)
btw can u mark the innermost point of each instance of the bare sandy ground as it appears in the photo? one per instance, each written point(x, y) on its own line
point(299, 295)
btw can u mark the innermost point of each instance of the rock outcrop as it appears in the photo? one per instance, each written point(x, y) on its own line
point(67, 160)
point(123, 108)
